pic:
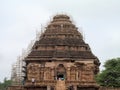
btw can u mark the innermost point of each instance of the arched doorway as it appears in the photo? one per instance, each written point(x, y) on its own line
point(61, 72)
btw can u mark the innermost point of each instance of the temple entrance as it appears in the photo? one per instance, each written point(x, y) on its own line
point(60, 72)
point(60, 76)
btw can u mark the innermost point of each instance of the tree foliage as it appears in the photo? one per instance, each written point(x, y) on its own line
point(5, 84)
point(110, 77)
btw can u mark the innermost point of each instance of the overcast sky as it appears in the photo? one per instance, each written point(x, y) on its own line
point(99, 20)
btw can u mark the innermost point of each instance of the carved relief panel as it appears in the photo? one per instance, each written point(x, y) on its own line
point(48, 73)
point(33, 71)
point(73, 73)
point(88, 73)
point(41, 73)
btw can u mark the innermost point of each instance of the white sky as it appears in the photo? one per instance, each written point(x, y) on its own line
point(19, 20)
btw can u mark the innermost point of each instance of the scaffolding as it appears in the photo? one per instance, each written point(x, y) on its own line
point(18, 72)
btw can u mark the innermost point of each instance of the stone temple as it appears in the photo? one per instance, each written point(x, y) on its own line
point(61, 60)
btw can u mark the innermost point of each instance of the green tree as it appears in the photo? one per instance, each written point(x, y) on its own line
point(5, 84)
point(110, 77)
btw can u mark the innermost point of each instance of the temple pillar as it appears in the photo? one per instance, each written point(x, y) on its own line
point(76, 75)
point(48, 88)
point(53, 75)
point(68, 74)
point(79, 75)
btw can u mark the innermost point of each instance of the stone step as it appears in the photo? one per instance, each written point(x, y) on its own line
point(60, 85)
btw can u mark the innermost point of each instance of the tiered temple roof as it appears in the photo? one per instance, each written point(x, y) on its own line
point(61, 39)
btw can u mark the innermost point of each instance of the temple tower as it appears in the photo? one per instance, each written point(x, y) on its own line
point(61, 54)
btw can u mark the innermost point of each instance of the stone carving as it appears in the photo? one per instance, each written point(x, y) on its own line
point(48, 73)
point(33, 71)
point(88, 73)
point(80, 65)
point(73, 73)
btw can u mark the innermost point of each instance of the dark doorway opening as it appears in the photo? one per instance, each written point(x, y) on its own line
point(60, 76)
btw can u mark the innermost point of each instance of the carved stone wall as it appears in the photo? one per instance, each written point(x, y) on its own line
point(48, 73)
point(73, 73)
point(39, 73)
point(33, 71)
point(76, 72)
